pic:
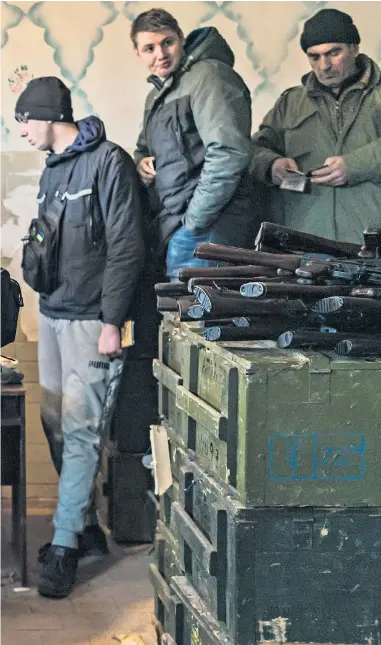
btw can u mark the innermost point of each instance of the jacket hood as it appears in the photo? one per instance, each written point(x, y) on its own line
point(207, 43)
point(91, 133)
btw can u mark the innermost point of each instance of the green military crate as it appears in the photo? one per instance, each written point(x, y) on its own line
point(168, 608)
point(279, 427)
point(311, 574)
point(176, 366)
point(176, 450)
point(167, 553)
point(166, 500)
point(198, 626)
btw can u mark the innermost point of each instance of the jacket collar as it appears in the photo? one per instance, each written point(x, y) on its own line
point(184, 65)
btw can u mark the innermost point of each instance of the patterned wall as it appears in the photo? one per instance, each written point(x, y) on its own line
point(87, 44)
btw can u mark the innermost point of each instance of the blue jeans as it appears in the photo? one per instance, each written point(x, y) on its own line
point(180, 251)
point(74, 379)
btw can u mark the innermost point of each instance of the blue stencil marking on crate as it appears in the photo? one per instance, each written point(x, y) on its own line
point(317, 457)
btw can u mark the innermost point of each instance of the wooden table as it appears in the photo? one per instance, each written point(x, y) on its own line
point(13, 467)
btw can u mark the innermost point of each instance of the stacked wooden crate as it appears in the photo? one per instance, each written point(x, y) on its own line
point(271, 530)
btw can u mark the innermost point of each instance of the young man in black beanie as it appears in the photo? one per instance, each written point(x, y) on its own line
point(331, 124)
point(90, 191)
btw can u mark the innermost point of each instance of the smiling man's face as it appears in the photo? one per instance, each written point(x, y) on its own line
point(161, 52)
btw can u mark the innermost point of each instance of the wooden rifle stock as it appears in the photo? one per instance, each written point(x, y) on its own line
point(366, 292)
point(359, 347)
point(304, 338)
point(228, 303)
point(217, 283)
point(224, 253)
point(287, 239)
point(171, 289)
point(187, 273)
point(311, 292)
point(260, 332)
point(334, 304)
point(165, 303)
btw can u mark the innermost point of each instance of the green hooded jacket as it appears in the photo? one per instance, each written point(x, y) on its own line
point(197, 124)
point(309, 124)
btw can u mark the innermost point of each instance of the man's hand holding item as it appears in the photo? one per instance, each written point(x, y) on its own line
point(279, 169)
point(334, 173)
point(109, 341)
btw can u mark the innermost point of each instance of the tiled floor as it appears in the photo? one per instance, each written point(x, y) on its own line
point(113, 596)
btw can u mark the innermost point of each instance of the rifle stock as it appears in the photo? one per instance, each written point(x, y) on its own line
point(335, 304)
point(283, 238)
point(359, 347)
point(366, 292)
point(224, 253)
point(171, 289)
point(164, 303)
point(187, 273)
point(262, 289)
point(232, 304)
point(217, 283)
point(303, 338)
point(264, 332)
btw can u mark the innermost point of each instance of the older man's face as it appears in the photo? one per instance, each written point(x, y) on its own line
point(333, 63)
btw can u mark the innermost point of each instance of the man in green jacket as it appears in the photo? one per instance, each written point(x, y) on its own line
point(330, 123)
point(195, 149)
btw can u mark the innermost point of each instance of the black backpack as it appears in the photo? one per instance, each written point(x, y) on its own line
point(11, 301)
point(41, 245)
point(40, 252)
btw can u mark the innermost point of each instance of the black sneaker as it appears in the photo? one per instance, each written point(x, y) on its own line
point(58, 573)
point(92, 542)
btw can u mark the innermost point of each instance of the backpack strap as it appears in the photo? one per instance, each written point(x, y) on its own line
point(61, 193)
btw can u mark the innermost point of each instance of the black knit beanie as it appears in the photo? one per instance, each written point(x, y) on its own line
point(45, 99)
point(329, 26)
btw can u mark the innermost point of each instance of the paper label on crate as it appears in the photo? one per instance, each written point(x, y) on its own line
point(317, 456)
point(161, 459)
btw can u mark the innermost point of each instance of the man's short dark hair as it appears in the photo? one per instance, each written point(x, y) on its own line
point(155, 20)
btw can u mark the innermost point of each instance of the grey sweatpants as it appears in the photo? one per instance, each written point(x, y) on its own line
point(74, 378)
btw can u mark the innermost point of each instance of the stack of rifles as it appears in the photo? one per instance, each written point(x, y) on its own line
point(301, 290)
